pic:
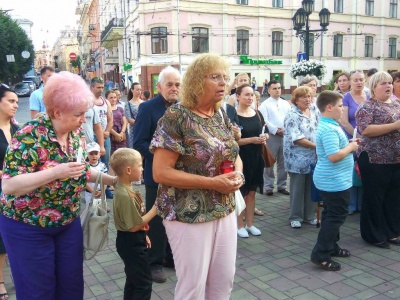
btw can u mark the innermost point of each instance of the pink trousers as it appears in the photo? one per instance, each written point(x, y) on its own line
point(205, 258)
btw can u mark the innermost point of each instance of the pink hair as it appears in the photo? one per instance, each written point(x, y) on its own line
point(66, 91)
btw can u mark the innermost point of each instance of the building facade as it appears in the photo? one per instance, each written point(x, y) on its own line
point(256, 36)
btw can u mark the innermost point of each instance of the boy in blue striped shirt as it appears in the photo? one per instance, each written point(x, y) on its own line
point(333, 177)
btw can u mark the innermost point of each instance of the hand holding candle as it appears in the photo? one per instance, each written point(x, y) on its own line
point(355, 134)
point(79, 158)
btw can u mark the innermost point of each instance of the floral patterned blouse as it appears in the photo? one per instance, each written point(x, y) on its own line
point(298, 126)
point(383, 149)
point(34, 148)
point(203, 143)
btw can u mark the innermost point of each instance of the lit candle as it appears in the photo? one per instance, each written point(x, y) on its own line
point(355, 134)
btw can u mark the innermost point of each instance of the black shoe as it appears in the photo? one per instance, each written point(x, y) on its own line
point(284, 191)
point(158, 276)
point(269, 192)
point(384, 245)
point(395, 241)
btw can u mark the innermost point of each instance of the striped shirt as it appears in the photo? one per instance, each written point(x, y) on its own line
point(332, 176)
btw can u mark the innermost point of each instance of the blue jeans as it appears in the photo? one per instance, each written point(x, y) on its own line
point(106, 157)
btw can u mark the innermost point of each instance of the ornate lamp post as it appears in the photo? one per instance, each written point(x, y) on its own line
point(301, 19)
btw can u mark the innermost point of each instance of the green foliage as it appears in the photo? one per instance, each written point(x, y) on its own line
point(331, 85)
point(76, 63)
point(13, 41)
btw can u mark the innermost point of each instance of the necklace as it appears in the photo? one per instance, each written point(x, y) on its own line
point(207, 115)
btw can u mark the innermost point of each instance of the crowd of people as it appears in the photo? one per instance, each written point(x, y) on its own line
point(197, 143)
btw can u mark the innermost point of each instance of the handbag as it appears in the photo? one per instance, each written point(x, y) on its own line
point(240, 205)
point(94, 221)
point(269, 159)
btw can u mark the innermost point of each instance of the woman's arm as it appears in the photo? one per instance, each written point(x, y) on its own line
point(252, 140)
point(124, 124)
point(305, 143)
point(164, 172)
point(25, 183)
point(344, 121)
point(377, 130)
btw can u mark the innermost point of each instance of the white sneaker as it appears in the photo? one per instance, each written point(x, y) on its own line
point(313, 222)
point(295, 224)
point(253, 230)
point(242, 233)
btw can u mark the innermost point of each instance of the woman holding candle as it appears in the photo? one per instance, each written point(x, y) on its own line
point(351, 101)
point(250, 143)
point(40, 222)
point(193, 147)
point(378, 121)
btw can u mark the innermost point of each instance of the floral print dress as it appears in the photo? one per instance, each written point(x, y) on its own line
point(33, 148)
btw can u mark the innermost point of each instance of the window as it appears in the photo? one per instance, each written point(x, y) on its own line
point(243, 2)
point(159, 40)
point(369, 43)
point(243, 42)
point(199, 40)
point(392, 47)
point(277, 3)
point(338, 6)
point(277, 43)
point(393, 9)
point(369, 7)
point(337, 45)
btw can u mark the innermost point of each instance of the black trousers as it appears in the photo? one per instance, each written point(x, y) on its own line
point(160, 248)
point(333, 216)
point(131, 247)
point(380, 212)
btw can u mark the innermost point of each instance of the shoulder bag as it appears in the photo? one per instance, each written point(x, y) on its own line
point(94, 221)
point(269, 159)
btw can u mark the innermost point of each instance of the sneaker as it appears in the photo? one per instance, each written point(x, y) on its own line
point(242, 233)
point(295, 224)
point(158, 276)
point(253, 230)
point(312, 222)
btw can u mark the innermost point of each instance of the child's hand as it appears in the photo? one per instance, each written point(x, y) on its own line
point(97, 194)
point(353, 146)
point(148, 242)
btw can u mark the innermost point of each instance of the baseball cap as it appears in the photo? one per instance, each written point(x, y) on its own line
point(92, 147)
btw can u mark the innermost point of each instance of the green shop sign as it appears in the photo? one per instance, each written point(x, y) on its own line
point(245, 60)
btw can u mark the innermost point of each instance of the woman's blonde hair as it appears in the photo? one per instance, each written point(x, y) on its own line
point(194, 79)
point(376, 79)
point(301, 91)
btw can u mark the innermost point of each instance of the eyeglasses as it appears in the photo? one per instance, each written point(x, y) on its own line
point(219, 78)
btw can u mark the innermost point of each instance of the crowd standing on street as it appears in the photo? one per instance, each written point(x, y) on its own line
point(198, 143)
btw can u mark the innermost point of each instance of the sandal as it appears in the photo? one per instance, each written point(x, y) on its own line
point(341, 253)
point(328, 265)
point(3, 296)
point(258, 212)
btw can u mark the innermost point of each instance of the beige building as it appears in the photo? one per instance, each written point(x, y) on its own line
point(66, 44)
point(256, 36)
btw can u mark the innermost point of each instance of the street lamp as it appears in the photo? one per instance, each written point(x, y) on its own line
point(301, 19)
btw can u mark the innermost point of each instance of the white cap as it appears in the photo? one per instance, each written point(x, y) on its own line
point(92, 147)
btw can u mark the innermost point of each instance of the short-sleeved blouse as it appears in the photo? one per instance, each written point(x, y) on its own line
point(202, 144)
point(383, 149)
point(298, 126)
point(33, 148)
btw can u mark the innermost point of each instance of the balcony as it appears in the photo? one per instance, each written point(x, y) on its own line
point(113, 33)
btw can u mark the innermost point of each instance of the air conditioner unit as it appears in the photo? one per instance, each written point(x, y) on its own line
point(398, 54)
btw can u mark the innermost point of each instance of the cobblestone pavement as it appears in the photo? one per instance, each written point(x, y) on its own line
point(274, 265)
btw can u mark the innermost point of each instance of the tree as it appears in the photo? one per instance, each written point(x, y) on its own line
point(13, 41)
point(76, 63)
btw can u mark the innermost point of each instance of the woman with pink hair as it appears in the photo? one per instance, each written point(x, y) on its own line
point(42, 182)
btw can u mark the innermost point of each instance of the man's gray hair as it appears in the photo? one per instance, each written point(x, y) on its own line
point(167, 70)
point(308, 79)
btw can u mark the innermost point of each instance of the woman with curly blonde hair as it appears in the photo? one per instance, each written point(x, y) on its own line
point(197, 165)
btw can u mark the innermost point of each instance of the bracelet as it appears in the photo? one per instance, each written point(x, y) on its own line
point(242, 175)
point(114, 181)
